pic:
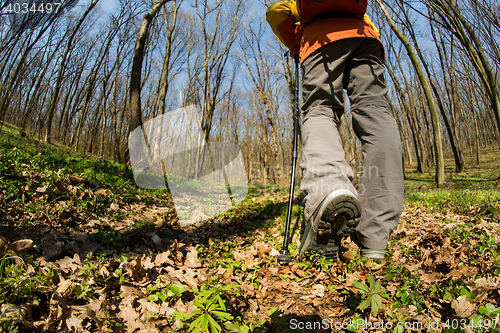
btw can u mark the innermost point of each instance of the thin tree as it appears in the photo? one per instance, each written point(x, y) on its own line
point(439, 158)
point(169, 58)
point(260, 70)
point(137, 62)
point(62, 68)
point(456, 23)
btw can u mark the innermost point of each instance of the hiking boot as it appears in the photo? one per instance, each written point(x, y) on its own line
point(377, 255)
point(336, 216)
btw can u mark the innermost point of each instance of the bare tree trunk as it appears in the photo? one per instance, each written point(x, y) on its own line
point(33, 97)
point(136, 74)
point(428, 94)
point(5, 101)
point(62, 67)
point(462, 29)
point(165, 77)
point(412, 118)
point(261, 75)
point(218, 41)
point(92, 80)
point(474, 117)
point(450, 127)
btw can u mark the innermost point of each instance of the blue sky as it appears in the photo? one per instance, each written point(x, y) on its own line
point(106, 5)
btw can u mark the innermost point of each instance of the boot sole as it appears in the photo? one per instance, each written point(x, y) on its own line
point(337, 216)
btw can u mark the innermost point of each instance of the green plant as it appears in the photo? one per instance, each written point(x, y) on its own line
point(83, 291)
point(165, 294)
point(145, 226)
point(242, 326)
point(109, 320)
point(490, 311)
point(17, 283)
point(408, 293)
point(211, 310)
point(372, 294)
point(8, 325)
point(321, 261)
point(487, 320)
point(110, 236)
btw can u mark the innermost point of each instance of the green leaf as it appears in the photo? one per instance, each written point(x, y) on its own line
point(390, 276)
point(378, 287)
point(273, 312)
point(196, 324)
point(448, 296)
point(230, 286)
point(361, 287)
point(466, 292)
point(363, 305)
point(222, 303)
point(371, 281)
point(355, 324)
point(489, 310)
point(404, 295)
point(153, 298)
point(223, 315)
point(376, 303)
point(236, 328)
point(177, 289)
point(181, 315)
point(399, 329)
point(476, 321)
point(204, 322)
point(162, 297)
point(214, 326)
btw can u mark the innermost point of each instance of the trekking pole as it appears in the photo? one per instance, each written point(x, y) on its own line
point(284, 257)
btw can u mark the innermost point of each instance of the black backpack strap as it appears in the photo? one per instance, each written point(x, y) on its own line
point(334, 14)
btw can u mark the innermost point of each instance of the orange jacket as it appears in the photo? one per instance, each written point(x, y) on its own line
point(304, 39)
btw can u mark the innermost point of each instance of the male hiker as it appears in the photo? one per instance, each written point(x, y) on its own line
point(339, 48)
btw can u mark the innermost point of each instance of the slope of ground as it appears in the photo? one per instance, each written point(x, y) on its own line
point(84, 250)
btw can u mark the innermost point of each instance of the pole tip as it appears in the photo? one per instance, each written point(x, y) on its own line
point(284, 257)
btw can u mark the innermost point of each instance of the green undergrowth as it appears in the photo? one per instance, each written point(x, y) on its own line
point(443, 272)
point(460, 201)
point(472, 191)
point(33, 173)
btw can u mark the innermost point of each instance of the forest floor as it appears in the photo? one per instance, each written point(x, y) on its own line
point(84, 250)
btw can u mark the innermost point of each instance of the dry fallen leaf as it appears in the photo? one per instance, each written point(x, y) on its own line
point(21, 245)
point(60, 186)
point(463, 308)
point(163, 258)
point(19, 313)
point(129, 314)
point(192, 260)
point(349, 280)
point(53, 251)
point(68, 264)
point(318, 290)
point(274, 252)
point(484, 284)
point(15, 248)
point(102, 194)
point(263, 249)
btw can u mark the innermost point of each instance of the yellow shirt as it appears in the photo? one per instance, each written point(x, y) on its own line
point(305, 39)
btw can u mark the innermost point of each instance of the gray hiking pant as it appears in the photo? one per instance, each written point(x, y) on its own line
point(354, 64)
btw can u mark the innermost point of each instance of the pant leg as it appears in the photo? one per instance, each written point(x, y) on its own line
point(323, 163)
point(381, 186)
